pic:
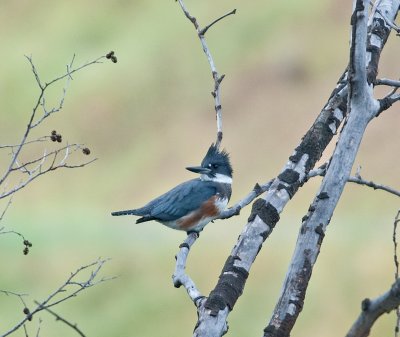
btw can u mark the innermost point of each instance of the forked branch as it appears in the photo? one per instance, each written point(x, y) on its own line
point(216, 93)
point(371, 310)
point(71, 288)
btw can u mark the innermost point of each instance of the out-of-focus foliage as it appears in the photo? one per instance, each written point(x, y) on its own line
point(149, 116)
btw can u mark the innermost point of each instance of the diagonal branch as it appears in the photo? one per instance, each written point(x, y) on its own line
point(362, 108)
point(235, 209)
point(180, 277)
point(61, 319)
point(371, 310)
point(63, 291)
point(265, 213)
point(204, 30)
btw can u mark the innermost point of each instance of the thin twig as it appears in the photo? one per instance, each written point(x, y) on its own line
point(11, 293)
point(396, 266)
point(12, 232)
point(216, 77)
point(204, 30)
point(74, 147)
point(235, 209)
point(39, 171)
point(38, 140)
point(38, 330)
point(72, 71)
point(357, 179)
point(6, 208)
point(25, 331)
point(39, 102)
point(59, 318)
point(50, 301)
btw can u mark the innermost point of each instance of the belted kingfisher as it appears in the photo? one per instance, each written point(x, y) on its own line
point(193, 204)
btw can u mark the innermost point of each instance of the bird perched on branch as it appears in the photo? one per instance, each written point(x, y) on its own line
point(193, 204)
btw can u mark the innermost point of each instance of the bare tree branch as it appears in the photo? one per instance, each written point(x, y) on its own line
point(11, 293)
point(396, 266)
point(61, 319)
point(259, 189)
point(235, 209)
point(40, 170)
point(38, 140)
point(363, 107)
point(180, 277)
point(389, 22)
point(373, 309)
point(6, 209)
point(40, 102)
point(204, 30)
point(217, 78)
point(25, 331)
point(66, 291)
point(214, 310)
point(30, 170)
point(39, 326)
point(357, 179)
point(27, 244)
point(388, 82)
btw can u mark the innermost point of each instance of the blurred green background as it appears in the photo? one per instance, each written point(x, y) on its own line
point(149, 116)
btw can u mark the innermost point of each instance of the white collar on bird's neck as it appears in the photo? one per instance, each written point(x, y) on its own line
point(218, 178)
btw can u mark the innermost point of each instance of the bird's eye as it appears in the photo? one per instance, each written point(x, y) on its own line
point(209, 165)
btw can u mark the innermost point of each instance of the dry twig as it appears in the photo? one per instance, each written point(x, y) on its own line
point(216, 77)
point(61, 319)
point(71, 288)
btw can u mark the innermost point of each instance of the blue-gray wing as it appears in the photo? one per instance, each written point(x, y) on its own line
point(181, 200)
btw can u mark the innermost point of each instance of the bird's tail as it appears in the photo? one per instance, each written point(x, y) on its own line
point(128, 212)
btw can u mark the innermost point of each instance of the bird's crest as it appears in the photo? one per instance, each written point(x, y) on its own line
point(215, 156)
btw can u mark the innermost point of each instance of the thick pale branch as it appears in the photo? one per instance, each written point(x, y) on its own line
point(180, 277)
point(265, 213)
point(396, 267)
point(363, 108)
point(388, 82)
point(387, 102)
point(389, 22)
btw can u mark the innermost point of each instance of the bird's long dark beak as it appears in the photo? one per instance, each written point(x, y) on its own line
point(199, 169)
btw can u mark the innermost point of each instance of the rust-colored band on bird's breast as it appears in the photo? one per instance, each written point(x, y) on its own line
point(207, 210)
